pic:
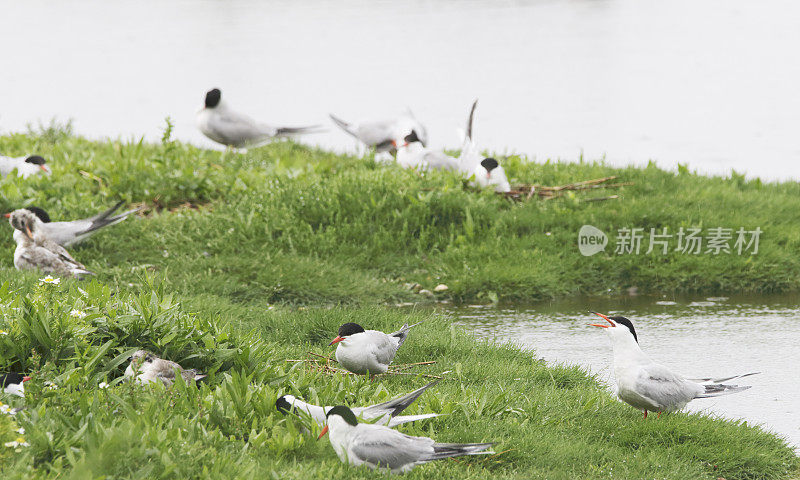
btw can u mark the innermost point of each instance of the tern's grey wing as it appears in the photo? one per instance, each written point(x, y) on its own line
point(440, 161)
point(382, 346)
point(236, 129)
point(396, 405)
point(64, 233)
point(385, 447)
point(665, 388)
point(165, 370)
point(378, 132)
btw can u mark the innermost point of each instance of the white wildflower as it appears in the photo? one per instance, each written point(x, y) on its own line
point(77, 314)
point(19, 442)
point(3, 332)
point(21, 430)
point(6, 410)
point(49, 280)
point(102, 385)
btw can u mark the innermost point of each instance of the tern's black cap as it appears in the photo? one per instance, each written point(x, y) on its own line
point(35, 159)
point(345, 413)
point(489, 164)
point(283, 405)
point(213, 97)
point(412, 137)
point(350, 329)
point(43, 216)
point(7, 379)
point(627, 323)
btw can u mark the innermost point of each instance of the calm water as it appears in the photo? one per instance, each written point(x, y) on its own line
point(696, 337)
point(711, 83)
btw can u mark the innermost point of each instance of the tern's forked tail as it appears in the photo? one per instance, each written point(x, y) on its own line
point(719, 389)
point(445, 450)
point(402, 334)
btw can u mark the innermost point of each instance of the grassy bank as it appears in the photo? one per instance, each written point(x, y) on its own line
point(244, 261)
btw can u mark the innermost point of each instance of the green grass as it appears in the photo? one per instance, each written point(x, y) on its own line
point(245, 261)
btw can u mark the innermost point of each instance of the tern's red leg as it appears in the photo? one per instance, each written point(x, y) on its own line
point(645, 414)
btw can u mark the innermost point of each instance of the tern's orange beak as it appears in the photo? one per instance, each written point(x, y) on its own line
point(336, 340)
point(25, 379)
point(28, 230)
point(7, 215)
point(323, 432)
point(44, 168)
point(605, 318)
point(394, 143)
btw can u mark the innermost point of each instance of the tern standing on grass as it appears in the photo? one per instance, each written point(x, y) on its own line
point(377, 446)
point(367, 352)
point(648, 386)
point(223, 125)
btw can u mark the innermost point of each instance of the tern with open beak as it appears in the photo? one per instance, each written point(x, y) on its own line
point(367, 352)
point(223, 125)
point(648, 386)
point(148, 368)
point(36, 251)
point(76, 231)
point(386, 413)
point(378, 446)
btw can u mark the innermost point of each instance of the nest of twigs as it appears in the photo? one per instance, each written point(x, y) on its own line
point(328, 366)
point(524, 192)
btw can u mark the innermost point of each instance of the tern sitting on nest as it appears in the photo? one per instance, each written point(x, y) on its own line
point(148, 368)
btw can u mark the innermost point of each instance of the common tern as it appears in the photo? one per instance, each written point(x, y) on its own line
point(37, 251)
point(412, 153)
point(13, 383)
point(76, 231)
point(25, 166)
point(648, 386)
point(367, 352)
point(380, 134)
point(223, 125)
point(147, 368)
point(487, 172)
point(386, 413)
point(378, 446)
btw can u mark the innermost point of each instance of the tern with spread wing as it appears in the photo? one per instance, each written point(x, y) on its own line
point(36, 251)
point(378, 446)
point(487, 171)
point(147, 368)
point(223, 125)
point(25, 166)
point(381, 134)
point(386, 413)
point(648, 386)
point(367, 352)
point(76, 231)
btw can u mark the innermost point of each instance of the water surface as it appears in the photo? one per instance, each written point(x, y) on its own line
point(710, 83)
point(695, 336)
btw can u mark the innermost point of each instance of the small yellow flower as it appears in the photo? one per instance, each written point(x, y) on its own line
point(49, 280)
point(3, 332)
